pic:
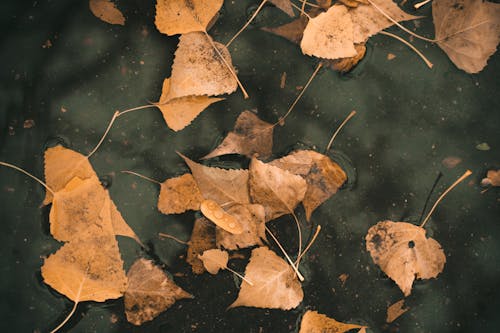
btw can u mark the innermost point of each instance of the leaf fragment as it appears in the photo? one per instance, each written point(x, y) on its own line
point(314, 322)
point(492, 178)
point(149, 292)
point(396, 310)
point(106, 11)
point(202, 239)
point(214, 260)
point(284, 5)
point(179, 194)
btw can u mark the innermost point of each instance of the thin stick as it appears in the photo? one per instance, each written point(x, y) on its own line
point(73, 309)
point(329, 145)
point(299, 230)
point(420, 54)
point(247, 23)
point(240, 276)
point(318, 229)
point(141, 176)
point(301, 11)
point(300, 95)
point(115, 115)
point(440, 174)
point(299, 275)
point(121, 113)
point(465, 175)
point(420, 4)
point(161, 234)
point(29, 175)
point(310, 4)
point(229, 67)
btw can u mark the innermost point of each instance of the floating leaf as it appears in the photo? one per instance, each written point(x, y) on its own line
point(215, 213)
point(467, 30)
point(323, 176)
point(314, 322)
point(275, 284)
point(202, 239)
point(214, 260)
point(278, 190)
point(293, 31)
point(149, 292)
point(106, 11)
point(179, 194)
point(396, 310)
point(492, 178)
point(183, 16)
point(404, 253)
point(250, 136)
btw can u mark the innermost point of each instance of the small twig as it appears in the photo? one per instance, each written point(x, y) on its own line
point(247, 23)
point(440, 174)
point(299, 230)
point(141, 176)
point(301, 11)
point(420, 54)
point(239, 275)
point(318, 229)
point(329, 145)
point(465, 175)
point(299, 275)
point(161, 234)
point(420, 4)
point(29, 175)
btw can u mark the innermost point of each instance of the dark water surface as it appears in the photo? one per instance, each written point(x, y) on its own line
point(409, 119)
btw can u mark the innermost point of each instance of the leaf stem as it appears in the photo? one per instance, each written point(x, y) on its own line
point(329, 145)
point(316, 233)
point(247, 23)
point(239, 275)
point(420, 54)
point(77, 299)
point(299, 230)
point(299, 275)
point(420, 4)
point(141, 176)
point(161, 234)
point(12, 166)
point(465, 175)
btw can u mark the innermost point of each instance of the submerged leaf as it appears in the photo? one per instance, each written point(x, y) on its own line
point(149, 292)
point(275, 284)
point(396, 310)
point(214, 260)
point(106, 11)
point(404, 253)
point(314, 322)
point(179, 194)
point(202, 239)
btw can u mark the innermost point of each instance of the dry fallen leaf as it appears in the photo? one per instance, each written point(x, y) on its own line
point(467, 30)
point(179, 194)
point(404, 253)
point(275, 284)
point(183, 16)
point(250, 136)
point(214, 260)
point(329, 35)
point(106, 11)
point(314, 322)
point(323, 176)
point(278, 190)
point(396, 310)
point(215, 213)
point(149, 292)
point(220, 185)
point(252, 220)
point(202, 239)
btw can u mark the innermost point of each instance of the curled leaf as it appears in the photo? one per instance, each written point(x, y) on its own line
point(106, 11)
point(215, 213)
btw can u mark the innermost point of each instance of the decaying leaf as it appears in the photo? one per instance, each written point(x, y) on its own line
point(404, 253)
point(275, 284)
point(250, 136)
point(106, 11)
point(329, 35)
point(252, 220)
point(284, 5)
point(396, 310)
point(278, 190)
point(467, 30)
point(179, 194)
point(215, 213)
point(183, 16)
point(220, 185)
point(314, 322)
point(149, 292)
point(344, 65)
point(214, 260)
point(323, 176)
point(292, 31)
point(492, 178)
point(202, 239)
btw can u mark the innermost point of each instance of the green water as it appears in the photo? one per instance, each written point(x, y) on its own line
point(409, 118)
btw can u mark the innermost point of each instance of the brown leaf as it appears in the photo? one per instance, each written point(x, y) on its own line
point(396, 310)
point(353, 3)
point(252, 220)
point(278, 190)
point(344, 65)
point(214, 260)
point(323, 176)
point(215, 213)
point(275, 284)
point(404, 253)
point(492, 178)
point(284, 5)
point(179, 194)
point(106, 11)
point(220, 185)
point(314, 322)
point(467, 30)
point(292, 31)
point(329, 35)
point(202, 239)
point(149, 292)
point(250, 136)
point(183, 16)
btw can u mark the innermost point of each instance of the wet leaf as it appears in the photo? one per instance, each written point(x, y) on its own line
point(106, 11)
point(492, 178)
point(202, 239)
point(292, 31)
point(396, 310)
point(220, 185)
point(179, 194)
point(323, 176)
point(149, 292)
point(314, 322)
point(183, 16)
point(250, 136)
point(404, 253)
point(278, 190)
point(215, 213)
point(284, 5)
point(214, 260)
point(275, 284)
point(344, 65)
point(467, 30)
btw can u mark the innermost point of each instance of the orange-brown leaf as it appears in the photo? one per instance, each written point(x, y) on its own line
point(214, 260)
point(396, 310)
point(179, 194)
point(284, 5)
point(344, 65)
point(215, 213)
point(202, 239)
point(314, 322)
point(106, 11)
point(492, 178)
